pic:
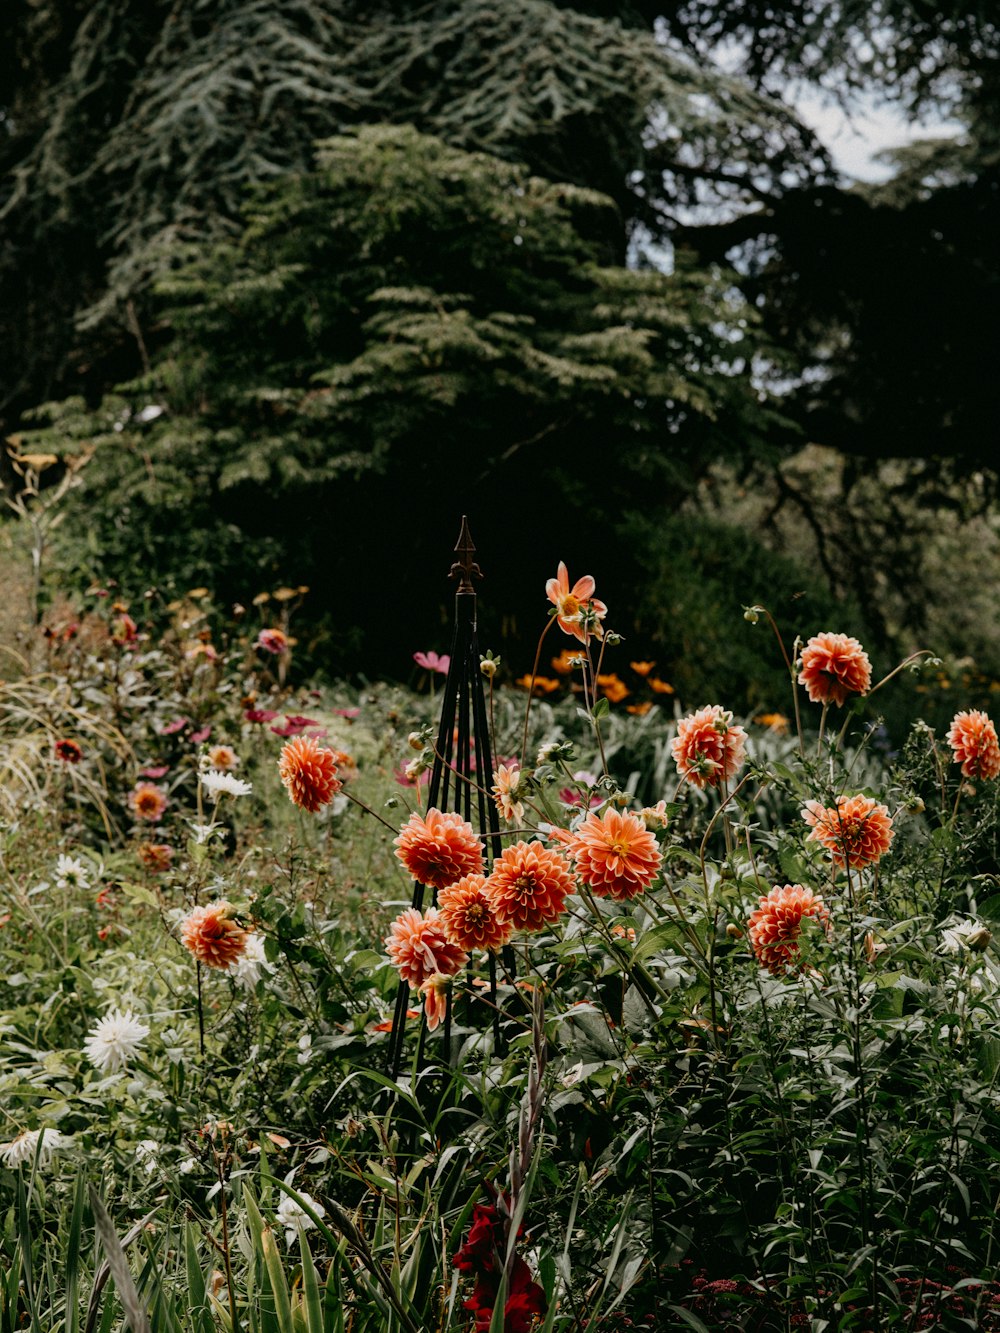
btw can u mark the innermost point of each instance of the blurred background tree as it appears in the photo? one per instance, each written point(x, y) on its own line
point(576, 269)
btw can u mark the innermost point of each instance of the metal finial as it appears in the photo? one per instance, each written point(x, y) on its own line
point(465, 568)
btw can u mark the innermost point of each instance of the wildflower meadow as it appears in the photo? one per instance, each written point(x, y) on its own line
point(531, 998)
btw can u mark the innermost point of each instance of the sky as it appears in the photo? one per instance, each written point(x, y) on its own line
point(872, 126)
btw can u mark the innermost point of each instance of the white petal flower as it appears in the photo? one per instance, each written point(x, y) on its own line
point(146, 1151)
point(114, 1040)
point(967, 934)
point(292, 1217)
point(23, 1147)
point(216, 783)
point(71, 873)
point(252, 961)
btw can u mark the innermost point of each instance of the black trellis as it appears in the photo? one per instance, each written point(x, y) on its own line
point(463, 764)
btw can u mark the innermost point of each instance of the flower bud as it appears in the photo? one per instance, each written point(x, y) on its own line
point(978, 940)
point(415, 741)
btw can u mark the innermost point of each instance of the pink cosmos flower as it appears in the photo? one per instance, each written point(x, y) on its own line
point(578, 612)
point(432, 662)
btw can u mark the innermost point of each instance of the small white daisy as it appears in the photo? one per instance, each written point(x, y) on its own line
point(23, 1147)
point(216, 783)
point(114, 1040)
point(71, 873)
point(292, 1217)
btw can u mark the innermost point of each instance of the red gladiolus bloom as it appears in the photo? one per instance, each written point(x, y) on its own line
point(309, 773)
point(857, 832)
point(468, 916)
point(439, 848)
point(529, 886)
point(775, 926)
point(212, 936)
point(70, 752)
point(973, 739)
point(418, 947)
point(578, 612)
point(708, 748)
point(615, 854)
point(834, 666)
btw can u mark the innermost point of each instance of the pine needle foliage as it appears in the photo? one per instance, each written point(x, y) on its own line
point(139, 128)
point(409, 332)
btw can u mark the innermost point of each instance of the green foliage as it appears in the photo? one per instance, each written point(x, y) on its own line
point(408, 333)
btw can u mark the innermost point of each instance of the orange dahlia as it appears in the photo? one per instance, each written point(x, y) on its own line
point(708, 748)
point(615, 854)
point(834, 666)
point(856, 832)
point(418, 947)
point(439, 848)
point(147, 801)
point(578, 612)
point(156, 856)
point(309, 772)
point(973, 739)
point(467, 915)
point(775, 926)
point(211, 935)
point(529, 886)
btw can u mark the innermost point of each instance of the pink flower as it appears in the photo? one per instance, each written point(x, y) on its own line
point(172, 728)
point(578, 612)
point(273, 641)
point(432, 662)
point(202, 734)
point(155, 771)
point(260, 715)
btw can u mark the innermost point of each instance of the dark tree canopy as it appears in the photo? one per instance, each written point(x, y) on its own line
point(465, 285)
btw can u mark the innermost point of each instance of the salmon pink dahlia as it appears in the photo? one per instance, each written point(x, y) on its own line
point(578, 612)
point(973, 739)
point(775, 926)
point(529, 886)
point(468, 916)
point(147, 801)
point(857, 832)
point(439, 848)
point(309, 772)
point(212, 936)
point(615, 854)
point(834, 666)
point(418, 947)
point(708, 749)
